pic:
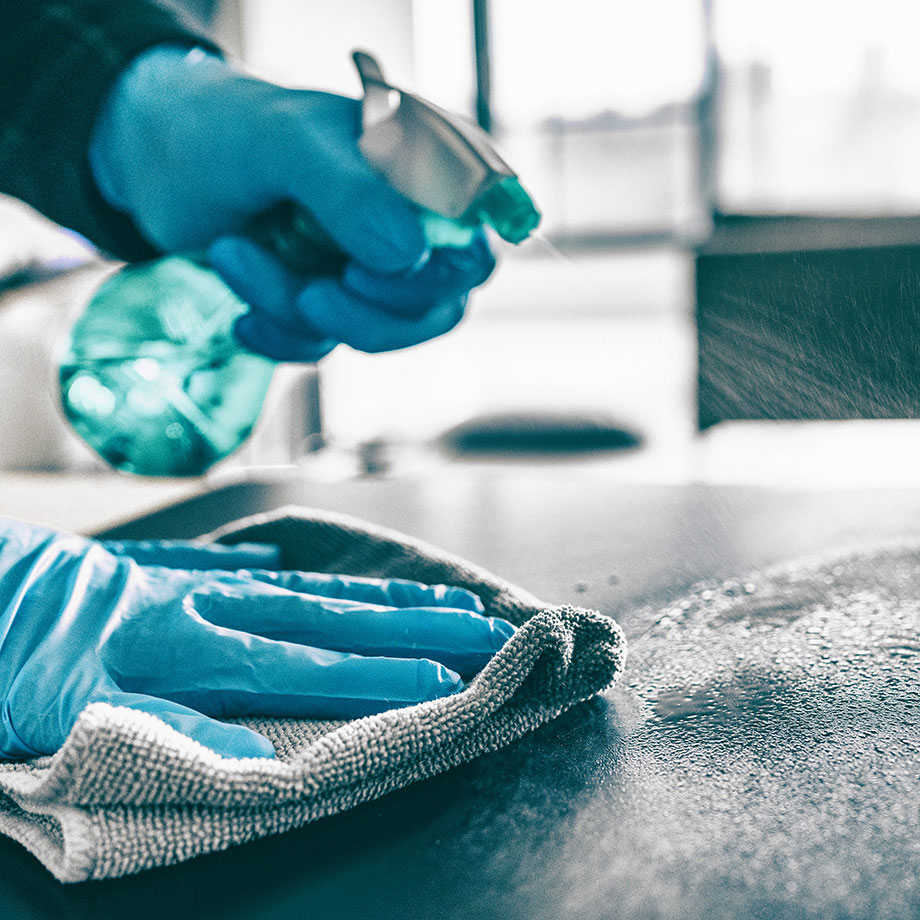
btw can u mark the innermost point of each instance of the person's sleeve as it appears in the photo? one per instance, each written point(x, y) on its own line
point(58, 58)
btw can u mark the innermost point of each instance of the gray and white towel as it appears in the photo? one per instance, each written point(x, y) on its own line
point(127, 792)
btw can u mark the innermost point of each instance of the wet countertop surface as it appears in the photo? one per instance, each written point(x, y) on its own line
point(760, 757)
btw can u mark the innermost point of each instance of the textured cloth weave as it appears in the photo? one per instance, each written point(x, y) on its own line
point(127, 792)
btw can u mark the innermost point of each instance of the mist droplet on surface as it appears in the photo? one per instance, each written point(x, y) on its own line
point(773, 752)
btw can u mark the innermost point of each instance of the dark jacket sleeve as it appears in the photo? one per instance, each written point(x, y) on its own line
point(58, 59)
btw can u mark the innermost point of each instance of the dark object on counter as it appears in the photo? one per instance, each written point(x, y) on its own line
point(539, 433)
point(809, 318)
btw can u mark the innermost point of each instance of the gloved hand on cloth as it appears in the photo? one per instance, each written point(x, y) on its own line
point(192, 633)
point(193, 150)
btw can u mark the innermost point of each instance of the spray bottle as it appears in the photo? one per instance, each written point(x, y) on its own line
point(152, 376)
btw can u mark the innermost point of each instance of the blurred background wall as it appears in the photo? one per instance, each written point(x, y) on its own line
point(633, 124)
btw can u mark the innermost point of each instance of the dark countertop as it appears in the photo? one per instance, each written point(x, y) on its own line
point(776, 787)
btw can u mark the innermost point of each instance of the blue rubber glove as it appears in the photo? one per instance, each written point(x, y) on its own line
point(83, 622)
point(192, 150)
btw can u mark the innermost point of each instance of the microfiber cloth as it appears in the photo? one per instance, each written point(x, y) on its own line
point(126, 792)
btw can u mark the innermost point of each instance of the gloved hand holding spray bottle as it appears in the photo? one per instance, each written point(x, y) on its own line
point(166, 370)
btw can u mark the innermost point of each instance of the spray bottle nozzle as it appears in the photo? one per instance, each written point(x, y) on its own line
point(509, 210)
point(440, 162)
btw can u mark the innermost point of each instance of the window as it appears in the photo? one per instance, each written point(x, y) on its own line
point(819, 106)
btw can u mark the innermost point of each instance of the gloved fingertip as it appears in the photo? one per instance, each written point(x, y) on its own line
point(257, 333)
point(502, 631)
point(225, 739)
point(227, 255)
point(392, 246)
point(234, 741)
point(436, 680)
point(319, 306)
point(254, 275)
point(324, 306)
point(461, 599)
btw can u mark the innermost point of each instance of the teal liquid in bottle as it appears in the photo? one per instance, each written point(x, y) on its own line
point(152, 377)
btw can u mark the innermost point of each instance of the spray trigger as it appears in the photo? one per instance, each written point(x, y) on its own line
point(439, 161)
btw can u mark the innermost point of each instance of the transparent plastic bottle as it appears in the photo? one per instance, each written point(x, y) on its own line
point(152, 377)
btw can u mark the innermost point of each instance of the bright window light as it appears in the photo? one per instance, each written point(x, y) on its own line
point(584, 57)
point(822, 46)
